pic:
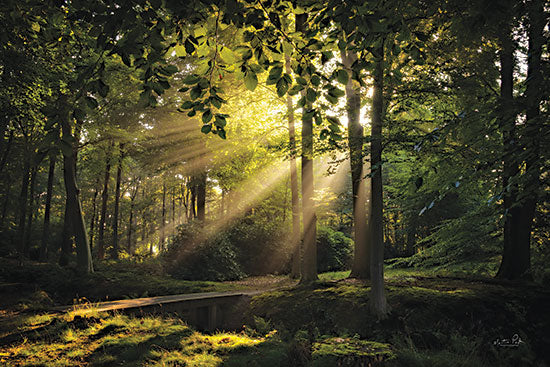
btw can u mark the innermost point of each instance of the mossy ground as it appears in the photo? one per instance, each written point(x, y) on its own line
point(436, 319)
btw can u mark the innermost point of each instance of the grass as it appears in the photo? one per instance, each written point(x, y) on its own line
point(439, 317)
point(103, 340)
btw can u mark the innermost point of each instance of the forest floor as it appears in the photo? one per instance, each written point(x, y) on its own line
point(436, 319)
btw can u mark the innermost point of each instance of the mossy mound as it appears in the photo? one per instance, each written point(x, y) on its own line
point(350, 352)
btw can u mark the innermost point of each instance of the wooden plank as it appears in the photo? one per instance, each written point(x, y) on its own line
point(208, 297)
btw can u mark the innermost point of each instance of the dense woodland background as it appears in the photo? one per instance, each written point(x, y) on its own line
point(214, 140)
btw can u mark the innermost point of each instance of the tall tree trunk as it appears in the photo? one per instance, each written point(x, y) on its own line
point(104, 199)
point(201, 197)
point(114, 253)
point(512, 210)
point(83, 252)
point(163, 223)
point(5, 207)
point(27, 245)
point(361, 260)
point(46, 228)
point(131, 219)
point(23, 207)
point(6, 152)
point(378, 302)
point(193, 212)
point(173, 208)
point(309, 257)
point(66, 237)
point(93, 219)
point(533, 132)
point(295, 239)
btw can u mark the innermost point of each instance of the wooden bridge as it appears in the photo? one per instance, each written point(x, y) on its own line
point(206, 311)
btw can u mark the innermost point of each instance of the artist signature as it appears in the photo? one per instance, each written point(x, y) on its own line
point(508, 343)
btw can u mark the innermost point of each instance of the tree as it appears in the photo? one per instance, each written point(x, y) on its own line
point(361, 258)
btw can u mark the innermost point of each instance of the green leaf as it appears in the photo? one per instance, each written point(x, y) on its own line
point(195, 92)
point(315, 80)
point(205, 129)
point(191, 113)
point(342, 76)
point(215, 102)
point(282, 87)
point(189, 47)
point(275, 73)
point(311, 95)
point(187, 105)
point(301, 80)
point(228, 56)
point(191, 79)
point(295, 89)
point(250, 80)
point(206, 116)
point(221, 133)
point(220, 121)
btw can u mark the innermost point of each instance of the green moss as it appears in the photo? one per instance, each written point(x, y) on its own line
point(349, 352)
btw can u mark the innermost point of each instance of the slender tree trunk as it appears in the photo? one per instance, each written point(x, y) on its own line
point(193, 212)
point(295, 237)
point(23, 207)
point(28, 231)
point(93, 219)
point(6, 152)
point(201, 197)
point(115, 249)
point(361, 261)
point(163, 223)
point(512, 210)
point(131, 219)
point(83, 253)
point(309, 257)
point(378, 298)
point(46, 228)
point(533, 132)
point(174, 208)
point(5, 207)
point(104, 199)
point(66, 240)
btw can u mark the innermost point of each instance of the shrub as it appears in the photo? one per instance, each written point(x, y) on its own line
point(195, 254)
point(334, 250)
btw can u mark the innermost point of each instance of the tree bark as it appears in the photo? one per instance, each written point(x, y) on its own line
point(378, 302)
point(83, 253)
point(163, 223)
point(93, 219)
point(512, 210)
point(28, 230)
point(46, 228)
point(6, 152)
point(66, 240)
point(361, 261)
point(104, 198)
point(131, 219)
point(309, 257)
point(201, 197)
point(23, 207)
point(115, 250)
point(295, 236)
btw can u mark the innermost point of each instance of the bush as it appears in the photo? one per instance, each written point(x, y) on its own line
point(334, 250)
point(195, 254)
point(260, 245)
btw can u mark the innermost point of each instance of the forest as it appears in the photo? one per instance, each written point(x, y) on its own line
point(274, 183)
